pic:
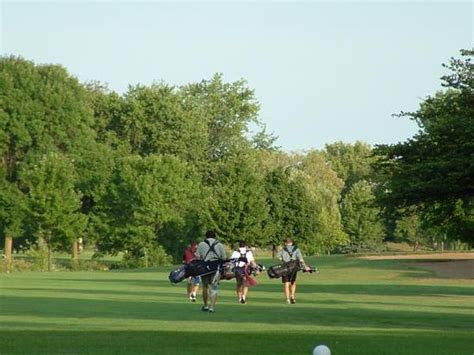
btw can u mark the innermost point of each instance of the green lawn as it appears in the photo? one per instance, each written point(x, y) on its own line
point(353, 306)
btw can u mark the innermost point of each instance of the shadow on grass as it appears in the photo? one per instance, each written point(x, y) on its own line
point(54, 310)
point(379, 289)
point(231, 342)
point(101, 292)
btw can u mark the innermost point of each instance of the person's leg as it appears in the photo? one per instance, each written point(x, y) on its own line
point(205, 292)
point(195, 287)
point(287, 291)
point(238, 288)
point(213, 291)
point(189, 287)
point(293, 288)
point(286, 287)
point(292, 291)
point(245, 290)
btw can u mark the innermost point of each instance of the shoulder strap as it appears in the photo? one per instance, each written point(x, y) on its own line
point(211, 247)
point(289, 253)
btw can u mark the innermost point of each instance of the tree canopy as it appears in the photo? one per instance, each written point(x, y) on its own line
point(144, 172)
point(434, 170)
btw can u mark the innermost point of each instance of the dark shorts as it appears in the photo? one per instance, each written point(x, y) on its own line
point(207, 279)
point(289, 278)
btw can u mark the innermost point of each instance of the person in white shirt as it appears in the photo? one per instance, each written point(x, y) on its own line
point(243, 259)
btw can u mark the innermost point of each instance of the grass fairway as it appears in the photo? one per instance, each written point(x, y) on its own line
point(353, 306)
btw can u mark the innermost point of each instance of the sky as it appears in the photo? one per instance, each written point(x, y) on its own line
point(322, 71)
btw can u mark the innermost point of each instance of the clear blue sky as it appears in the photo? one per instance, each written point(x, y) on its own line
point(322, 71)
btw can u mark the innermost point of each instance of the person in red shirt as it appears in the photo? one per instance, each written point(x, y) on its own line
point(193, 281)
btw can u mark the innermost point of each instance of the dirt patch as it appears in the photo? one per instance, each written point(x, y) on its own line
point(452, 265)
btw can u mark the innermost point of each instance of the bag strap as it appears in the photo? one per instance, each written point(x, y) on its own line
point(211, 248)
point(295, 248)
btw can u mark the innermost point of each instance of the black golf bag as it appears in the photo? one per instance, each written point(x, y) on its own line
point(178, 275)
point(201, 267)
point(277, 271)
point(194, 268)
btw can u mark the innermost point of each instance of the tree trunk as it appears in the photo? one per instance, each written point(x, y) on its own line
point(8, 253)
point(74, 254)
point(50, 266)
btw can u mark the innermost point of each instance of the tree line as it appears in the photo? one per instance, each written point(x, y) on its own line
point(144, 172)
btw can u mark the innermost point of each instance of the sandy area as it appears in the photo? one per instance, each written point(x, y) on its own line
point(436, 256)
point(459, 269)
point(452, 265)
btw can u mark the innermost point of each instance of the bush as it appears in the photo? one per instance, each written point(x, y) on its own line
point(146, 257)
point(38, 256)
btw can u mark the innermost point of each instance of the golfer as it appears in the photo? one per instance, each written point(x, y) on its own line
point(210, 250)
point(243, 259)
point(288, 253)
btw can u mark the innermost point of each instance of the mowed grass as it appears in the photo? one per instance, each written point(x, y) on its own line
point(353, 306)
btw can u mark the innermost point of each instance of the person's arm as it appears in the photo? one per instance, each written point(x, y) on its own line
point(280, 255)
point(251, 259)
point(221, 251)
point(299, 256)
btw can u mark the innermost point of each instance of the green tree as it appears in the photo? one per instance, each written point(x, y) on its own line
point(42, 109)
point(53, 206)
point(145, 194)
point(236, 206)
point(302, 197)
point(325, 188)
point(12, 210)
point(434, 170)
point(410, 229)
point(228, 109)
point(351, 162)
point(361, 217)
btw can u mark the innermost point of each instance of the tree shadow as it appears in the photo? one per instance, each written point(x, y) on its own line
point(231, 342)
point(168, 309)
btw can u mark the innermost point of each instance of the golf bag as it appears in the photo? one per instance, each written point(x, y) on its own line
point(277, 271)
point(201, 267)
point(228, 270)
point(178, 275)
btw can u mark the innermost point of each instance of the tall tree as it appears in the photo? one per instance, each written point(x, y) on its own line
point(236, 206)
point(434, 170)
point(325, 189)
point(53, 206)
point(351, 162)
point(42, 109)
point(12, 211)
point(302, 197)
point(144, 195)
point(228, 109)
point(361, 217)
